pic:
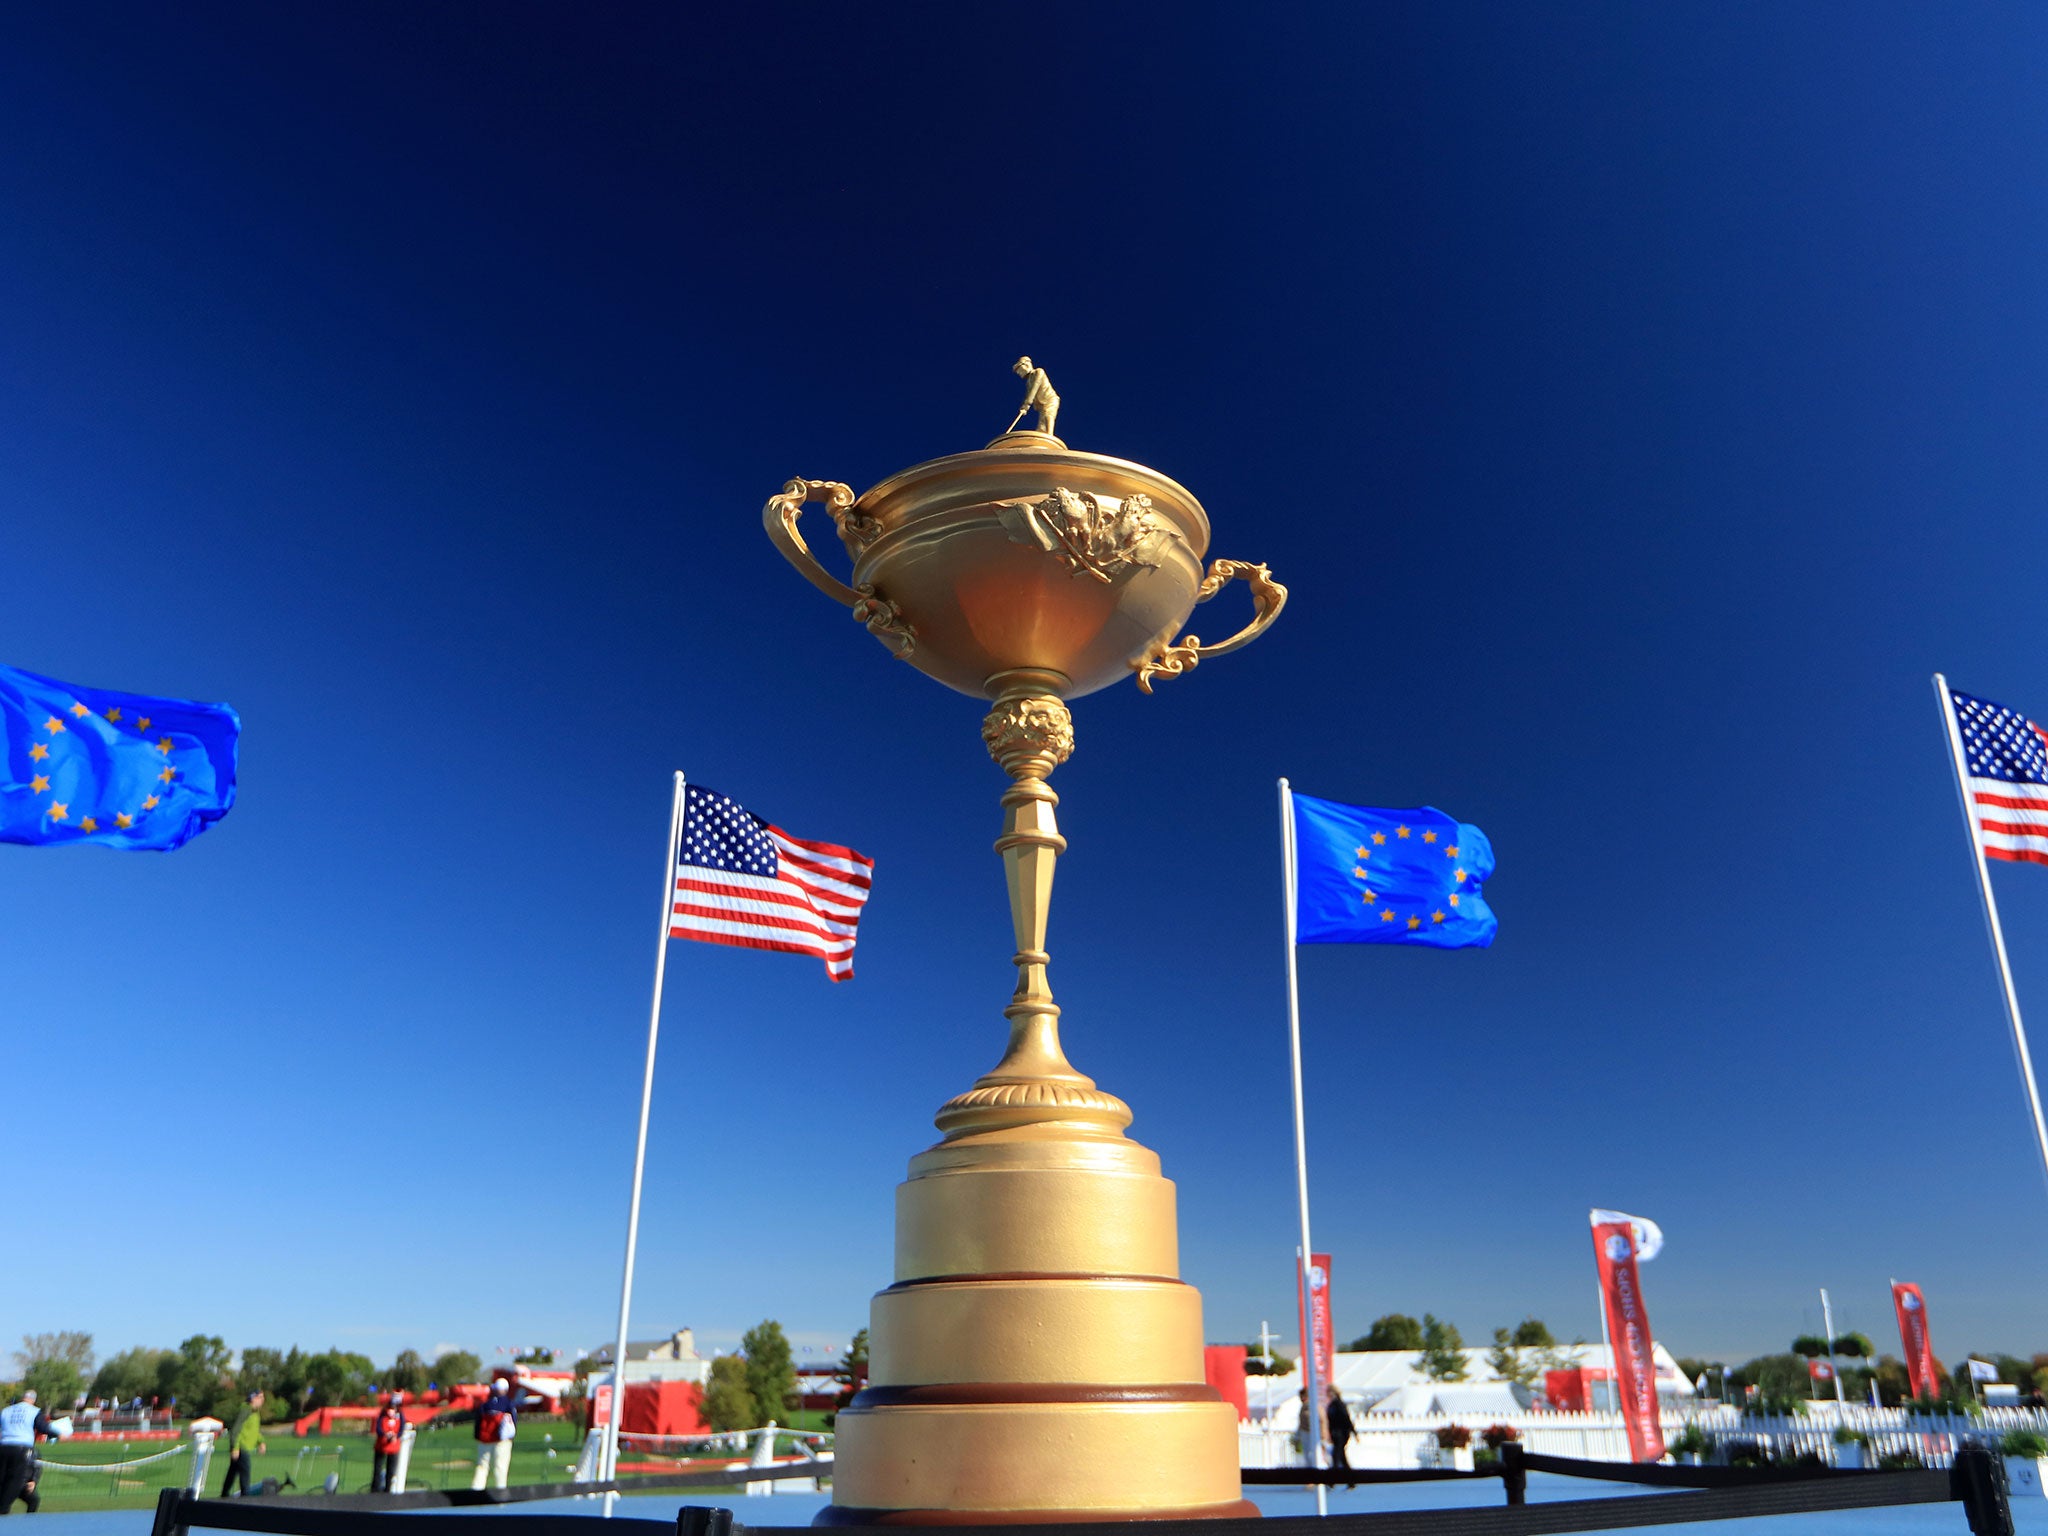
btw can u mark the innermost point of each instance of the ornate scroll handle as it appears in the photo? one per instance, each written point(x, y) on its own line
point(1268, 598)
point(779, 518)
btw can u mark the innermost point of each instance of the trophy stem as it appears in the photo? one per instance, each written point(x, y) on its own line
point(1030, 732)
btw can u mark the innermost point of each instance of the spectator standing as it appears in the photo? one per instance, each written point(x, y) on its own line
point(387, 1433)
point(497, 1421)
point(246, 1437)
point(20, 1423)
point(1338, 1417)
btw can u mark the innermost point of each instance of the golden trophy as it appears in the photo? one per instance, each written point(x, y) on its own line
point(1038, 1357)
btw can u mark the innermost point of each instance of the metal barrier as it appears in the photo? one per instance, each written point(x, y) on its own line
point(1977, 1481)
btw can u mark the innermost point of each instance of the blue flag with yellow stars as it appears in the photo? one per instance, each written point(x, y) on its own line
point(86, 765)
point(1367, 876)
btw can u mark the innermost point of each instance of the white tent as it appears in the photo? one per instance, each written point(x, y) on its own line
point(1391, 1381)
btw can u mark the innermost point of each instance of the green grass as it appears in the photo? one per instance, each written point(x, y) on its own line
point(441, 1458)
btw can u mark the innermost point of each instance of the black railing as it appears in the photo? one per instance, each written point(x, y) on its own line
point(1977, 1481)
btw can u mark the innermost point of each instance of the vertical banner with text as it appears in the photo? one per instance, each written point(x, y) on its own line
point(1921, 1370)
point(1619, 1242)
point(1316, 1334)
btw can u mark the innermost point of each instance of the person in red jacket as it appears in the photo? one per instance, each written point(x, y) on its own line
point(387, 1432)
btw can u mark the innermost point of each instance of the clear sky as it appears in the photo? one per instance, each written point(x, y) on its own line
point(1640, 403)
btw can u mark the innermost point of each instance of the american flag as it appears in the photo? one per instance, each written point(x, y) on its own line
point(743, 881)
point(2007, 765)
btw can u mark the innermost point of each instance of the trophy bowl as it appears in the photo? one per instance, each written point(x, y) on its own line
point(1024, 558)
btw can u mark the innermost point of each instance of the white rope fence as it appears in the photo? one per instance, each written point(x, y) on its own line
point(110, 1466)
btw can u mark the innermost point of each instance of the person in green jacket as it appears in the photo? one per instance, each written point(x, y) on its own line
point(246, 1436)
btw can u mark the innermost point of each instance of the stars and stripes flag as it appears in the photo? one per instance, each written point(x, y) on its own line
point(2006, 765)
point(746, 882)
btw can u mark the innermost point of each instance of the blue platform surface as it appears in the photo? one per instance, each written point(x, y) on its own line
point(2029, 1514)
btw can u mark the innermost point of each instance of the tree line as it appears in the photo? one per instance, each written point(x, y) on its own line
point(1520, 1354)
point(204, 1376)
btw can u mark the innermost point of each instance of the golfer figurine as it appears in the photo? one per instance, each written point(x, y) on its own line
point(1038, 396)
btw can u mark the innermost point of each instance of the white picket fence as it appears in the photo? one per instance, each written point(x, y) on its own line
point(1387, 1440)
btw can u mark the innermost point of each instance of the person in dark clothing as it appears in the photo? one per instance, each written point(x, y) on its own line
point(1338, 1417)
point(387, 1433)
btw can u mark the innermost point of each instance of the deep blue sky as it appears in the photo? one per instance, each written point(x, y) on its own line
point(1639, 402)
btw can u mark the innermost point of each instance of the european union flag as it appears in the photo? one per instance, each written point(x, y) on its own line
point(85, 765)
point(1367, 876)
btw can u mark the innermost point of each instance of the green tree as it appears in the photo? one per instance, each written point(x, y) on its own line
point(1782, 1382)
point(1508, 1362)
point(1692, 1369)
point(1274, 1363)
point(727, 1402)
point(260, 1371)
point(56, 1383)
point(1811, 1345)
point(72, 1347)
point(1894, 1382)
point(1396, 1330)
point(1534, 1333)
point(771, 1374)
point(128, 1375)
point(853, 1369)
point(1443, 1350)
point(197, 1375)
point(337, 1378)
point(408, 1373)
point(455, 1368)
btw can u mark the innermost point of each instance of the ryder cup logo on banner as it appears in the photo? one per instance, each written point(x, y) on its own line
point(1910, 1302)
point(1316, 1278)
point(1617, 1247)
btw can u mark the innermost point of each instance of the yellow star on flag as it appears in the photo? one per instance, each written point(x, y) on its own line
point(80, 710)
point(59, 811)
point(1437, 916)
point(164, 745)
point(1461, 877)
point(1364, 852)
point(88, 825)
point(1451, 852)
point(1401, 832)
point(39, 783)
point(1454, 898)
point(53, 725)
point(1358, 871)
point(142, 724)
point(123, 819)
point(1378, 838)
point(1429, 837)
point(39, 751)
point(150, 805)
point(166, 777)
point(1414, 922)
point(114, 713)
point(1387, 915)
point(1370, 898)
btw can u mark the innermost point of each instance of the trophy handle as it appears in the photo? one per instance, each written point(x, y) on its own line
point(1268, 598)
point(779, 518)
point(885, 621)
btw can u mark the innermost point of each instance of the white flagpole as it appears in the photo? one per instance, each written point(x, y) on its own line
point(2012, 997)
point(1311, 1387)
point(608, 1462)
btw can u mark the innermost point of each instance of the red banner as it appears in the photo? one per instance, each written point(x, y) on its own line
point(1628, 1325)
point(1314, 1300)
point(1921, 1370)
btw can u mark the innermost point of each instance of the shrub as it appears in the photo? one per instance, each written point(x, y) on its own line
point(1484, 1460)
point(2030, 1443)
point(1454, 1437)
point(1498, 1435)
point(1689, 1441)
point(1844, 1435)
point(1747, 1453)
point(1899, 1461)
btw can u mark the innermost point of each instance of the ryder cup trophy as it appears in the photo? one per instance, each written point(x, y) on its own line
point(1038, 1357)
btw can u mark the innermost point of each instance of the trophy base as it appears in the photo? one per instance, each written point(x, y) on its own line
point(1039, 1359)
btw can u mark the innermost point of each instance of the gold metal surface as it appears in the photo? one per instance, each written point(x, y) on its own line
point(1038, 1356)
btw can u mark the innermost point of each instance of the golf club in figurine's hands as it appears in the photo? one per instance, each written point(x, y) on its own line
point(1038, 1355)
